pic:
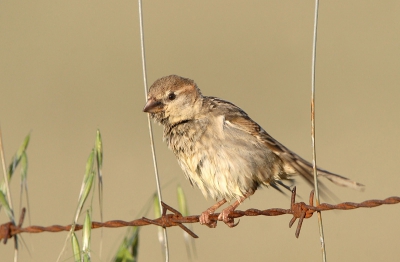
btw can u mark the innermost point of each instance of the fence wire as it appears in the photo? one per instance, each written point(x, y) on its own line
point(298, 210)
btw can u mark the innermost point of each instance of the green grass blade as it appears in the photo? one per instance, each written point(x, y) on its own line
point(99, 161)
point(24, 167)
point(89, 164)
point(87, 186)
point(128, 250)
point(75, 248)
point(17, 157)
point(6, 206)
point(24, 181)
point(87, 229)
point(21, 152)
point(99, 149)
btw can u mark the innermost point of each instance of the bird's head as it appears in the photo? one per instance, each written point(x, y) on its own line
point(172, 99)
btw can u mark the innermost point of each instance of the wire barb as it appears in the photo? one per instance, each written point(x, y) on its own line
point(7, 229)
point(299, 211)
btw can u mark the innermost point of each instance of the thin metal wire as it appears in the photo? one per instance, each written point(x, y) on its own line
point(314, 54)
point(153, 152)
point(299, 210)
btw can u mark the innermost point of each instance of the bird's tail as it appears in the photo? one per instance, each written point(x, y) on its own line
point(305, 169)
point(293, 163)
point(341, 180)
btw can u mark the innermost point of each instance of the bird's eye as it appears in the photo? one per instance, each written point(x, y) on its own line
point(171, 96)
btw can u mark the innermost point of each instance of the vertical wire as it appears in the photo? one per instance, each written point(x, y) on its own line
point(157, 177)
point(314, 153)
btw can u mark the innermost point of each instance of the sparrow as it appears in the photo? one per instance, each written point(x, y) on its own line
point(220, 149)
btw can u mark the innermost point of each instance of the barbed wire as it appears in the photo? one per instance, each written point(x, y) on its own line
point(298, 210)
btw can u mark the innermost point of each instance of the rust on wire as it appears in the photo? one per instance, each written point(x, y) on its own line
point(298, 210)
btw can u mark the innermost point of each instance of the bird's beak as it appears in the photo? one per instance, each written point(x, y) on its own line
point(153, 106)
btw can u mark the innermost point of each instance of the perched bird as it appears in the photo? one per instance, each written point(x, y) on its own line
point(220, 148)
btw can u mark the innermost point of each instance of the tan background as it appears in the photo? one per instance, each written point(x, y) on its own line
point(70, 67)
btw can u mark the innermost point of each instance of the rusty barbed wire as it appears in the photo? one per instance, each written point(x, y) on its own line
point(298, 210)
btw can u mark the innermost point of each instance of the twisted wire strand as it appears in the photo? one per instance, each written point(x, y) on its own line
point(299, 210)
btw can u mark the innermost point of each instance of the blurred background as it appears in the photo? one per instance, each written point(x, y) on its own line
point(69, 68)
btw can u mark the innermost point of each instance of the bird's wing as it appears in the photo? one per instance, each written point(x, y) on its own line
point(293, 163)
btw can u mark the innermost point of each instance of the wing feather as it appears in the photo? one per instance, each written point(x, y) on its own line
point(292, 163)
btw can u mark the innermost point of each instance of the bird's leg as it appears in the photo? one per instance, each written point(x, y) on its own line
point(204, 218)
point(224, 215)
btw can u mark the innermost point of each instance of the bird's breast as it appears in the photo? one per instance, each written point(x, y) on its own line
point(218, 160)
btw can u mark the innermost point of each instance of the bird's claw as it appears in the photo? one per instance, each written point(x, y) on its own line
point(224, 216)
point(204, 219)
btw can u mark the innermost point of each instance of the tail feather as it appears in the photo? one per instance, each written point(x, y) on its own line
point(294, 163)
point(340, 180)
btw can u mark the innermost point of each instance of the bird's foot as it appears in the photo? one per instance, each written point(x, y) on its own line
point(204, 218)
point(224, 216)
